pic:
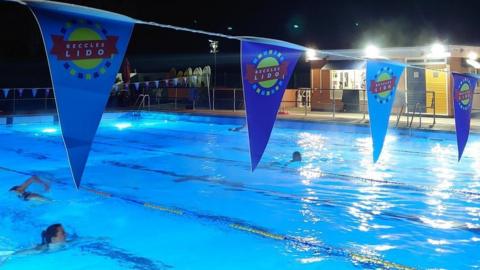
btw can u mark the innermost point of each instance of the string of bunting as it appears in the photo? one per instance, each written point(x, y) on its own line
point(174, 82)
point(189, 81)
point(19, 92)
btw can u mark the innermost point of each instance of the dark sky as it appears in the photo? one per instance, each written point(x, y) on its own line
point(334, 24)
point(331, 24)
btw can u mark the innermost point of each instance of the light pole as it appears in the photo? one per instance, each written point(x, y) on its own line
point(214, 50)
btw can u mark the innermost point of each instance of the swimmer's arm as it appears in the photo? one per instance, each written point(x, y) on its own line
point(31, 180)
point(31, 251)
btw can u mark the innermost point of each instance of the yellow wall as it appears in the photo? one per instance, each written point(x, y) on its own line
point(436, 81)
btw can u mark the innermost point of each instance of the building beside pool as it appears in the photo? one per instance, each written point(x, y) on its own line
point(341, 81)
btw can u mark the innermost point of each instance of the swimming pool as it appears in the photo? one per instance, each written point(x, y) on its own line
point(175, 191)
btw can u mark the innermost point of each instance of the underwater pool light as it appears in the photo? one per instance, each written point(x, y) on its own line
point(123, 125)
point(49, 130)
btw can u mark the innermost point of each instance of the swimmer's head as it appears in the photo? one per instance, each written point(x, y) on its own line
point(14, 189)
point(296, 156)
point(53, 234)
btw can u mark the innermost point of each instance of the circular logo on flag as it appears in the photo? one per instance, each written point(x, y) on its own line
point(85, 48)
point(383, 84)
point(267, 71)
point(464, 94)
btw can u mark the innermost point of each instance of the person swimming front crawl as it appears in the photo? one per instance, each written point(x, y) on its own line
point(22, 192)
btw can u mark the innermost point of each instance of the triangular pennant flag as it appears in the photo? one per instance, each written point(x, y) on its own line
point(382, 79)
point(34, 92)
point(137, 85)
point(266, 70)
point(20, 92)
point(463, 88)
point(5, 92)
point(156, 84)
point(85, 48)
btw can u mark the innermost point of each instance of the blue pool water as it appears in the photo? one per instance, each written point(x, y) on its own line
point(178, 193)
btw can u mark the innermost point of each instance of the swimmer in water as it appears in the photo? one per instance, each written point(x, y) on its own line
point(53, 238)
point(23, 194)
point(238, 128)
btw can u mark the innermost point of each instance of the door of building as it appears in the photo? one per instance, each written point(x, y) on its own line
point(436, 82)
point(416, 89)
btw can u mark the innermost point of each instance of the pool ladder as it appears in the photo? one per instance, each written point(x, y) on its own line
point(143, 101)
point(416, 111)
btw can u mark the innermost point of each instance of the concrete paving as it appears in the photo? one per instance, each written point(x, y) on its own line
point(441, 123)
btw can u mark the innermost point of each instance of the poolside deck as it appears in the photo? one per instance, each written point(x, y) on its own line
point(441, 123)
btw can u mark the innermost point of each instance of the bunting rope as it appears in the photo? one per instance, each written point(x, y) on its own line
point(250, 38)
point(260, 39)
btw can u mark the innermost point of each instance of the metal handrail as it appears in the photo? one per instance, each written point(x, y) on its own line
point(305, 93)
point(141, 101)
point(432, 106)
point(413, 115)
point(399, 114)
point(364, 104)
point(333, 100)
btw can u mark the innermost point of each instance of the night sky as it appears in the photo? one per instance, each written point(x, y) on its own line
point(332, 24)
point(324, 24)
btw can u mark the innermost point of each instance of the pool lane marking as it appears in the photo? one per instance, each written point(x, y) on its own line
point(345, 177)
point(244, 227)
point(376, 261)
point(342, 177)
point(274, 139)
point(97, 192)
point(349, 178)
point(163, 208)
point(384, 214)
point(355, 257)
point(15, 171)
point(257, 231)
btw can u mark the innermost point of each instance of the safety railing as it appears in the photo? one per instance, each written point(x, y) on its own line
point(399, 114)
point(27, 101)
point(433, 107)
point(416, 109)
point(142, 102)
point(301, 102)
point(227, 98)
